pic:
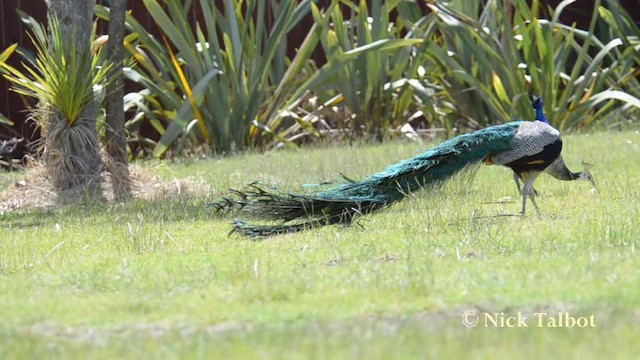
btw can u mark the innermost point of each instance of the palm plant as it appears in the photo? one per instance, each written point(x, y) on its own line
point(64, 80)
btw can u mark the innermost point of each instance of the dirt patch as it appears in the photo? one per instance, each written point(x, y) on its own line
point(35, 191)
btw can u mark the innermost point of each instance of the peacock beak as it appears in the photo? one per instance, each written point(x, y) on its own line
point(587, 166)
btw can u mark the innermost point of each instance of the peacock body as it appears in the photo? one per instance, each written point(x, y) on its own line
point(557, 169)
point(526, 147)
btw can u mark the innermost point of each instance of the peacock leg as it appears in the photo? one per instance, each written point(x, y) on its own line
point(516, 178)
point(532, 196)
point(528, 191)
point(524, 201)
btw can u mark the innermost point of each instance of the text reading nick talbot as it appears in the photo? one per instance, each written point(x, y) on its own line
point(520, 320)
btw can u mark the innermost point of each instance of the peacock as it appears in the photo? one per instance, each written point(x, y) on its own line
point(557, 169)
point(527, 147)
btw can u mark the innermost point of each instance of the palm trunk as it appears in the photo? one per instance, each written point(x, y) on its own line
point(116, 141)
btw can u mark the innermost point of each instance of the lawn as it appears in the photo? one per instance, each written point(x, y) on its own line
point(161, 279)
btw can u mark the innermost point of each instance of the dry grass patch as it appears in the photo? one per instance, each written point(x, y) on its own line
point(35, 190)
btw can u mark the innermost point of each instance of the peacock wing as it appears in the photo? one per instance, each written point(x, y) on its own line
point(530, 139)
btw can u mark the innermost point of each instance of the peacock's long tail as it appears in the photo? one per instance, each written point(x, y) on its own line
point(341, 203)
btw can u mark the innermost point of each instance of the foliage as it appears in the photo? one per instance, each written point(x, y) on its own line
point(5, 120)
point(379, 89)
point(337, 80)
point(4, 55)
point(466, 64)
point(494, 55)
point(59, 76)
point(225, 82)
point(207, 83)
point(617, 23)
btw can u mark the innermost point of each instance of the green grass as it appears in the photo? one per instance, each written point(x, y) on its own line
point(163, 280)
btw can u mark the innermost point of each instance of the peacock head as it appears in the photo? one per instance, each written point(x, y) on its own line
point(585, 175)
point(536, 102)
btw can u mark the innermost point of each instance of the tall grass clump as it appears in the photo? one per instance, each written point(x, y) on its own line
point(493, 54)
point(225, 83)
point(207, 82)
point(378, 89)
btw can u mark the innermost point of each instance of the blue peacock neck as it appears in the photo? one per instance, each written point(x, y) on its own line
point(540, 115)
